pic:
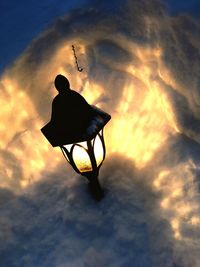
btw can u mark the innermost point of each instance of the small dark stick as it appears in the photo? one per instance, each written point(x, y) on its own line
point(76, 60)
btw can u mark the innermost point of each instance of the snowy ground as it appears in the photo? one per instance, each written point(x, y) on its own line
point(142, 67)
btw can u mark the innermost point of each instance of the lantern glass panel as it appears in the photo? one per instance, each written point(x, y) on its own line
point(68, 147)
point(98, 150)
point(81, 157)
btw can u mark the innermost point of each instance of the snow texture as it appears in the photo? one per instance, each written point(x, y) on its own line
point(149, 216)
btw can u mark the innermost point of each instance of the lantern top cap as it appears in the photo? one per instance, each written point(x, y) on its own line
point(73, 120)
point(61, 83)
point(97, 123)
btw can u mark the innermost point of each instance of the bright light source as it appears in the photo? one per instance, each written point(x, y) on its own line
point(86, 156)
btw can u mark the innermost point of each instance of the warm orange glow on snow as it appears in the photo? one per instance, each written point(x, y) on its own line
point(178, 191)
point(21, 139)
point(142, 120)
point(140, 124)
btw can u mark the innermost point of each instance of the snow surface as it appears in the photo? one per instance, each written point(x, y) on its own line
point(54, 222)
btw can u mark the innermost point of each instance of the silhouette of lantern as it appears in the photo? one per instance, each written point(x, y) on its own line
point(84, 151)
point(87, 157)
point(77, 128)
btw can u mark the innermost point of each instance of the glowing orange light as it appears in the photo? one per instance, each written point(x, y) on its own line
point(177, 203)
point(141, 122)
point(20, 135)
point(176, 227)
point(80, 154)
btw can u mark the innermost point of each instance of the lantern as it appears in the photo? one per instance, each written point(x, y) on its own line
point(86, 151)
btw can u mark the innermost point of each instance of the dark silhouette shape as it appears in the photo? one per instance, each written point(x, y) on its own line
point(70, 109)
point(72, 117)
point(73, 120)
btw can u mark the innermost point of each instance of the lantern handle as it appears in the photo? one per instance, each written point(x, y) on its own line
point(76, 59)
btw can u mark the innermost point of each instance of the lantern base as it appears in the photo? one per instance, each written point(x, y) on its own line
point(94, 186)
